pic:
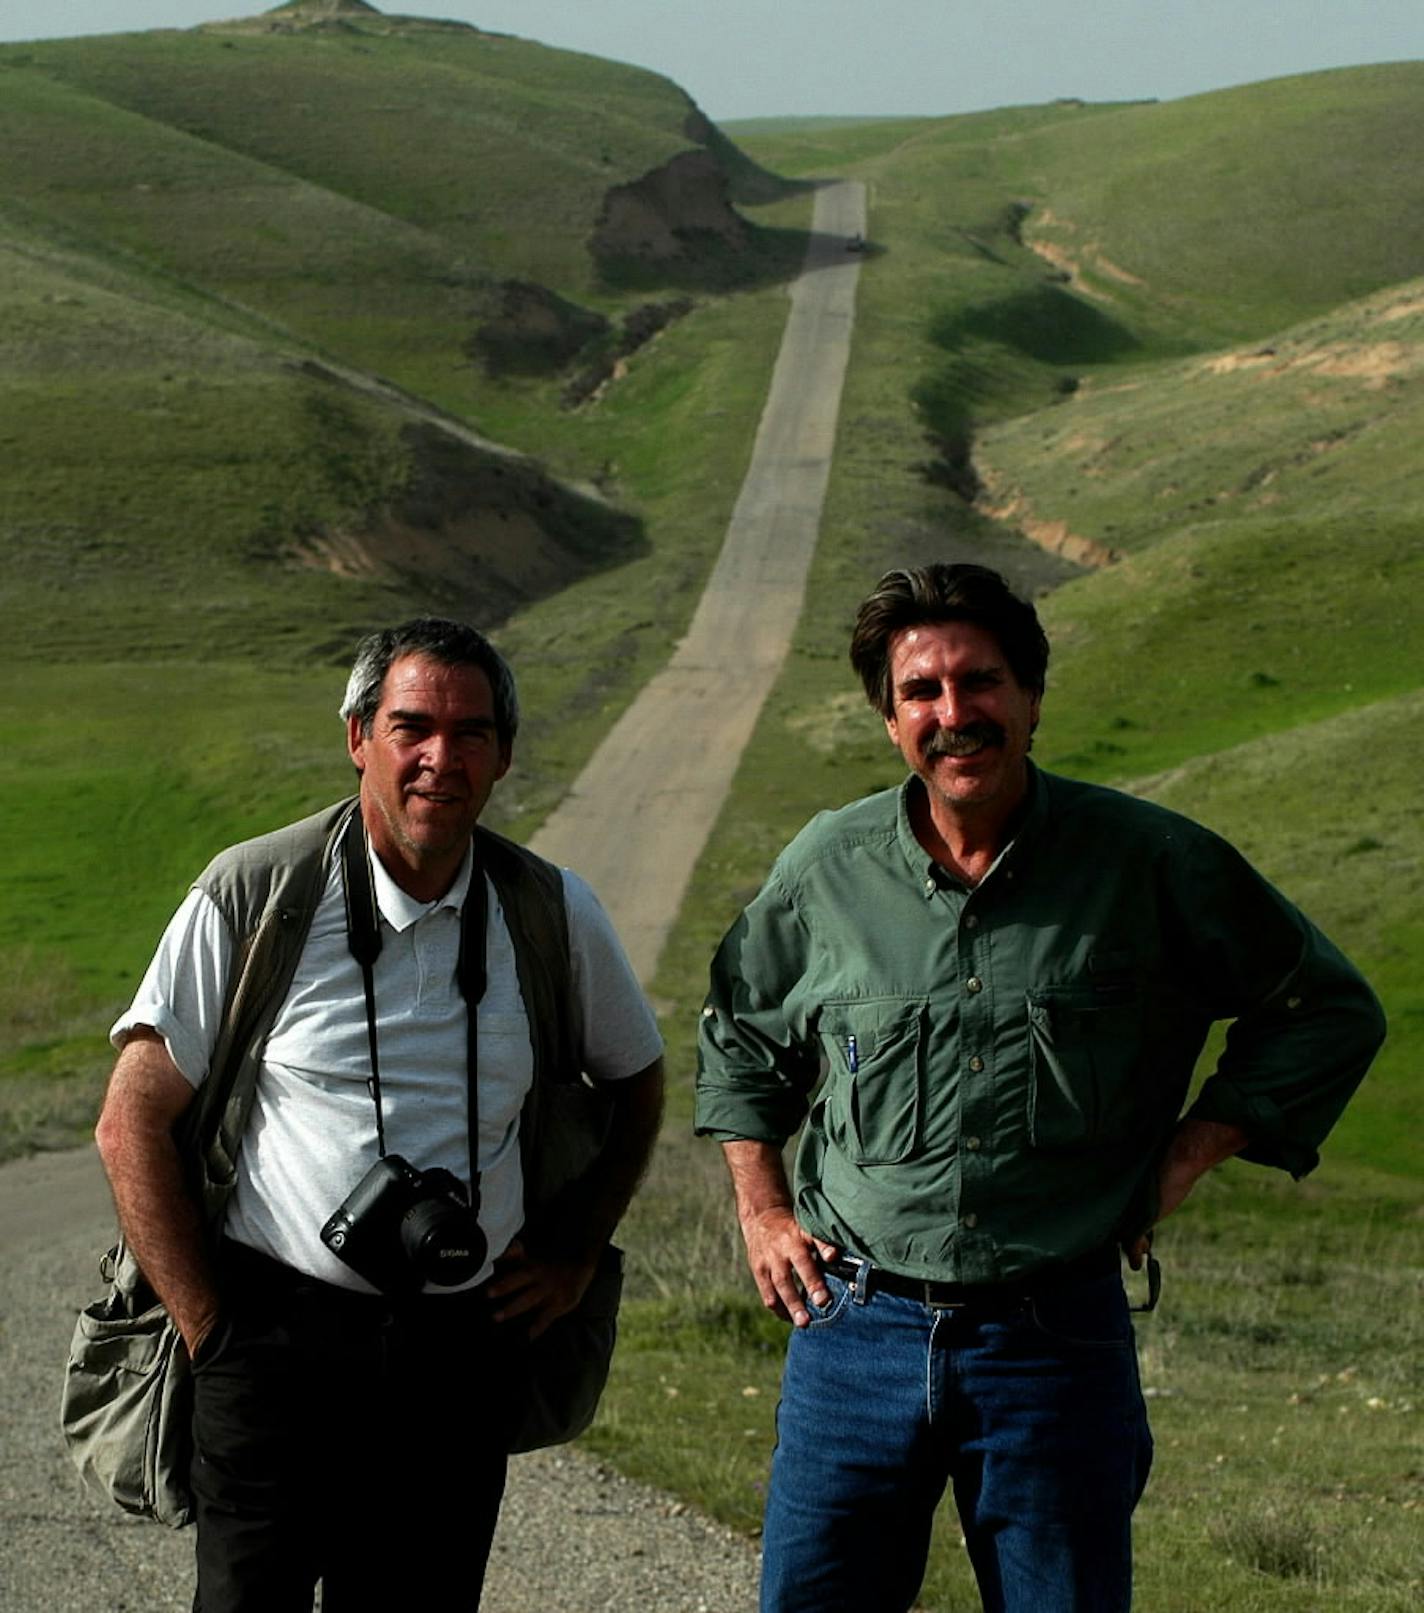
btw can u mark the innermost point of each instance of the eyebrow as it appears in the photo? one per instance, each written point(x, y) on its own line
point(401, 714)
point(989, 670)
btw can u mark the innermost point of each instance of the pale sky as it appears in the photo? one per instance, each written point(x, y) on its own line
point(759, 58)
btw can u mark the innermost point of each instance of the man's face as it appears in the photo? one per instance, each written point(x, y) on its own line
point(962, 721)
point(427, 768)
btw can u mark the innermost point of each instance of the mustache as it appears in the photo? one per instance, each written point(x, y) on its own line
point(958, 741)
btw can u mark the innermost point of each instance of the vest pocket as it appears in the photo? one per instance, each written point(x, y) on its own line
point(875, 1053)
point(1084, 1045)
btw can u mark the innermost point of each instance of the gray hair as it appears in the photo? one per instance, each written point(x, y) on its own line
point(451, 644)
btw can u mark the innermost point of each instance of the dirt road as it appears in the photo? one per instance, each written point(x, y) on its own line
point(574, 1537)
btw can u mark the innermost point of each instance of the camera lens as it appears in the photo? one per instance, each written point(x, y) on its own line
point(443, 1241)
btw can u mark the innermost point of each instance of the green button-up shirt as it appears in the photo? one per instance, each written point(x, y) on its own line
point(988, 1077)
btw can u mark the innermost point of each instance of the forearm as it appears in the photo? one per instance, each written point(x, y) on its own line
point(759, 1181)
point(1197, 1146)
point(157, 1215)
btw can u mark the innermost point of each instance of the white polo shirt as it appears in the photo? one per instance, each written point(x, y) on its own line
point(311, 1136)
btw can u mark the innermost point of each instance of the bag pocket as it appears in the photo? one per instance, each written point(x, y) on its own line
point(1084, 1044)
point(875, 1052)
point(127, 1409)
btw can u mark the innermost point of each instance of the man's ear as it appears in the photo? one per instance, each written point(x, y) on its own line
point(356, 742)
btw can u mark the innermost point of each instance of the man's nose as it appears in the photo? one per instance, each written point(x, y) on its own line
point(953, 708)
point(438, 753)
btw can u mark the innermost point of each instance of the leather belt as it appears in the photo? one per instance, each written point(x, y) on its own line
point(870, 1279)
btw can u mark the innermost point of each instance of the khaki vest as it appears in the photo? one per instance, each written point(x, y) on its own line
point(268, 889)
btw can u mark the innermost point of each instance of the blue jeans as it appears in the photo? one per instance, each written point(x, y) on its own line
point(1033, 1414)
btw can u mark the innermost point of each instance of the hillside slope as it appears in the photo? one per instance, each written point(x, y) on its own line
point(323, 189)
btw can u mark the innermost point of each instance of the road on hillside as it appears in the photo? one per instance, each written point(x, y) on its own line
point(574, 1537)
point(637, 818)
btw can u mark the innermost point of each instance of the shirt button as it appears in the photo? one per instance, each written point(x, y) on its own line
point(707, 1013)
point(1292, 1002)
point(976, 1064)
point(929, 887)
point(972, 1144)
point(971, 921)
point(971, 1220)
point(974, 983)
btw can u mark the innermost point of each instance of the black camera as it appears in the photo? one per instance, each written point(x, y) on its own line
point(401, 1228)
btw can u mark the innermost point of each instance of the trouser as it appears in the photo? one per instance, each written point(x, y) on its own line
point(351, 1440)
point(1031, 1410)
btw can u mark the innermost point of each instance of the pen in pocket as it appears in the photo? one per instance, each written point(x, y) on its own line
point(852, 1054)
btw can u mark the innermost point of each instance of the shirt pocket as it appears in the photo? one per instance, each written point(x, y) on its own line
point(875, 1053)
point(1085, 1043)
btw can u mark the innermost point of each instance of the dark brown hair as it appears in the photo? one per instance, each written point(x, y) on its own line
point(911, 596)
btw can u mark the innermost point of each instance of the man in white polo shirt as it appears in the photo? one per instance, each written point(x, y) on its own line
point(357, 1382)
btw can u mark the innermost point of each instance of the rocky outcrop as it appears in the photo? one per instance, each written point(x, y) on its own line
point(529, 330)
point(669, 213)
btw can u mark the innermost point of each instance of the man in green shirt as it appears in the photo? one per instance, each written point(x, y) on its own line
point(984, 993)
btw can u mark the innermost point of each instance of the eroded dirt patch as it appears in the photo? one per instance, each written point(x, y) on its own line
point(480, 532)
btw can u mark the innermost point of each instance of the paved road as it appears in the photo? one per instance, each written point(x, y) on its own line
point(574, 1537)
point(658, 781)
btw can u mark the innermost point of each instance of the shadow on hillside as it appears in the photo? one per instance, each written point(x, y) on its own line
point(1041, 322)
point(772, 256)
point(708, 261)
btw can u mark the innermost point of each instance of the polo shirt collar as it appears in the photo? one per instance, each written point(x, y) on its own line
point(400, 909)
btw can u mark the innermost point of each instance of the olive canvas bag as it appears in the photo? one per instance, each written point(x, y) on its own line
point(126, 1405)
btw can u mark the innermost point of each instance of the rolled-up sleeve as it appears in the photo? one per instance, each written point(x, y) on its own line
point(755, 1067)
point(181, 995)
point(1305, 1024)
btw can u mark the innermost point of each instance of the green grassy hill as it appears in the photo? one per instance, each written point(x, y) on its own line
point(379, 178)
point(1226, 216)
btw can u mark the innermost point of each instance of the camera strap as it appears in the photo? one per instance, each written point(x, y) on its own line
point(363, 936)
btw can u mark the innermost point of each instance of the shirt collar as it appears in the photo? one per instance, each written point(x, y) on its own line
point(925, 868)
point(400, 910)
